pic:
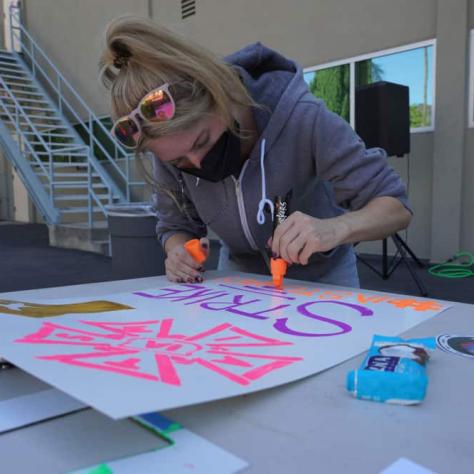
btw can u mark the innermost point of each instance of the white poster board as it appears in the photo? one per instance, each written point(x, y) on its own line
point(181, 344)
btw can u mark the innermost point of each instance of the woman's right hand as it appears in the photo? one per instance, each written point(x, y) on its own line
point(180, 266)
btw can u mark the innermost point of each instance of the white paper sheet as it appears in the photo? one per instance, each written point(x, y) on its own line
point(405, 466)
point(175, 345)
point(27, 409)
point(190, 454)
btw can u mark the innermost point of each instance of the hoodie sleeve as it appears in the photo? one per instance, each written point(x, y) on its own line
point(175, 211)
point(357, 174)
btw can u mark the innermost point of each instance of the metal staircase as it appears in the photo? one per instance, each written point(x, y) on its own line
point(69, 173)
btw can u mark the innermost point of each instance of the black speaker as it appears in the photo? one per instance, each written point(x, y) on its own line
point(382, 116)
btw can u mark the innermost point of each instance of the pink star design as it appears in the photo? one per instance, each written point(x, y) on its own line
point(125, 348)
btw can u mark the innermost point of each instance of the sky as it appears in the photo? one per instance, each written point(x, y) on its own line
point(407, 68)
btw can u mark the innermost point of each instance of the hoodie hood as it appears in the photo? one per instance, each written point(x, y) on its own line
point(273, 81)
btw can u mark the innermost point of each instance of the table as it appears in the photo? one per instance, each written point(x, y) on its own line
point(314, 425)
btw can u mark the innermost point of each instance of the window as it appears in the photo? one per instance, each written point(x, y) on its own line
point(332, 85)
point(411, 65)
point(471, 81)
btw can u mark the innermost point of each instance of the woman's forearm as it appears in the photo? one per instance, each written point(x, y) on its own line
point(380, 218)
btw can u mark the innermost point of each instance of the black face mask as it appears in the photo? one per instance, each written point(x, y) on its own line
point(222, 160)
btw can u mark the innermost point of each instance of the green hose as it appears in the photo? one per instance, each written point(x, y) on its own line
point(460, 265)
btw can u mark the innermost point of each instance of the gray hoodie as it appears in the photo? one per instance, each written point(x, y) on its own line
point(302, 147)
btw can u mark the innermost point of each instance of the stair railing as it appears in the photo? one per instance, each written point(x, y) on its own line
point(17, 120)
point(63, 94)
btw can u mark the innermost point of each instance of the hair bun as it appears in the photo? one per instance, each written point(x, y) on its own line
point(120, 61)
point(121, 55)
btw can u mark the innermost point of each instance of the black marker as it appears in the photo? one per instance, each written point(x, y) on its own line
point(278, 266)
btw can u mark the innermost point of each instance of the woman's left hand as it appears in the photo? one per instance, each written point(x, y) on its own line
point(296, 239)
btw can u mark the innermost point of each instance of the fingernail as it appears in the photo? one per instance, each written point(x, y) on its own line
point(204, 245)
point(190, 280)
point(199, 279)
point(274, 255)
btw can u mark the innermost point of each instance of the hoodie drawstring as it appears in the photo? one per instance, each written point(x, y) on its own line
point(264, 201)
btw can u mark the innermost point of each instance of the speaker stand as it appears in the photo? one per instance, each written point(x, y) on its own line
point(388, 267)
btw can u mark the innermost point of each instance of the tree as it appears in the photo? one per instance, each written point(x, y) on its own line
point(332, 85)
point(419, 115)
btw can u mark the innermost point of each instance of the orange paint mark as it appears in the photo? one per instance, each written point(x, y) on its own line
point(334, 295)
point(417, 305)
point(361, 298)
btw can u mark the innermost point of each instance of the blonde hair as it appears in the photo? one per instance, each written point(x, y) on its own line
point(140, 56)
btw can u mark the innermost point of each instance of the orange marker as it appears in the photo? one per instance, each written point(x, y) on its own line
point(193, 247)
point(278, 266)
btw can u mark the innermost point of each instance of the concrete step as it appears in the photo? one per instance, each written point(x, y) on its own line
point(37, 94)
point(15, 75)
point(78, 197)
point(72, 184)
point(11, 67)
point(31, 107)
point(69, 166)
point(18, 83)
point(79, 236)
point(26, 100)
point(101, 192)
point(78, 202)
point(79, 209)
point(71, 176)
point(69, 218)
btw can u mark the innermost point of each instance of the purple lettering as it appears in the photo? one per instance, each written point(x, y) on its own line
point(257, 314)
point(189, 291)
point(237, 302)
point(281, 323)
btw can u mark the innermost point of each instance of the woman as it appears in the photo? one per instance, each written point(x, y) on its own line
point(230, 135)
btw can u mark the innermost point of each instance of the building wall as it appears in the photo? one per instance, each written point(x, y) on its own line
point(71, 32)
point(6, 195)
point(467, 241)
point(21, 202)
point(5, 192)
point(467, 233)
point(311, 32)
point(2, 25)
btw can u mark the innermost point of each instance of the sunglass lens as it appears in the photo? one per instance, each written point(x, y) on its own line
point(157, 106)
point(126, 131)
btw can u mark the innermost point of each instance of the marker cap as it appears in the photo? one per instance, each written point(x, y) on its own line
point(193, 247)
point(278, 268)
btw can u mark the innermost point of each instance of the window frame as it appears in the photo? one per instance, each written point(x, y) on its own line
point(471, 81)
point(384, 52)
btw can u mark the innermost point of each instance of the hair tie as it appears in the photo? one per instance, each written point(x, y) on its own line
point(121, 57)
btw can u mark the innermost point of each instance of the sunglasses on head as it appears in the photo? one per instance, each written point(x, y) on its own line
point(157, 106)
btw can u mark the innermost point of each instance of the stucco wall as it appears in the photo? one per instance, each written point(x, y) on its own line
point(71, 32)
